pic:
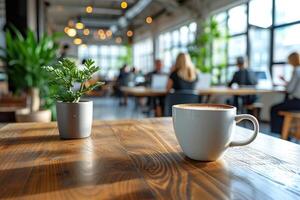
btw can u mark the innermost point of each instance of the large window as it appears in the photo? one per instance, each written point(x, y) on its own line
point(286, 11)
point(253, 35)
point(286, 40)
point(105, 56)
point(171, 43)
point(143, 55)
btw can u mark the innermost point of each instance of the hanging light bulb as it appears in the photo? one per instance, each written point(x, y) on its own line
point(77, 41)
point(124, 5)
point(89, 9)
point(149, 20)
point(118, 40)
point(79, 25)
point(86, 31)
point(72, 32)
point(71, 23)
point(129, 33)
point(66, 29)
point(108, 33)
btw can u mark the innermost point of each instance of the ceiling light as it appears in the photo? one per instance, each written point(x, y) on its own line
point(83, 46)
point(79, 25)
point(89, 9)
point(77, 41)
point(124, 4)
point(108, 33)
point(86, 31)
point(100, 31)
point(102, 36)
point(118, 40)
point(72, 32)
point(66, 29)
point(149, 20)
point(129, 33)
point(71, 23)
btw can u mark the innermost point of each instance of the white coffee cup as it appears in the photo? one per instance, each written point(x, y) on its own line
point(204, 130)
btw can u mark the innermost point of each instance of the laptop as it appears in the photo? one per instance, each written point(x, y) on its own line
point(204, 81)
point(159, 81)
point(264, 79)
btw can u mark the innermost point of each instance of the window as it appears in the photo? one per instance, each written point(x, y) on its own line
point(171, 43)
point(286, 40)
point(259, 48)
point(237, 20)
point(105, 56)
point(260, 13)
point(253, 38)
point(143, 55)
point(286, 11)
point(237, 46)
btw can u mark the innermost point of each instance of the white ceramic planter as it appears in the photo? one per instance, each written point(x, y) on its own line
point(74, 120)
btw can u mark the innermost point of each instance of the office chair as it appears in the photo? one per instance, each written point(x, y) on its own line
point(180, 97)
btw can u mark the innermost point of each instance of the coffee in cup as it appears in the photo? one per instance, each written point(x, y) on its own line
point(204, 130)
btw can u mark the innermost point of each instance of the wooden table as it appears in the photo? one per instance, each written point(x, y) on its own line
point(148, 92)
point(132, 159)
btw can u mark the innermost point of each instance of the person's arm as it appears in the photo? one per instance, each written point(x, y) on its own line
point(291, 86)
point(233, 80)
point(169, 85)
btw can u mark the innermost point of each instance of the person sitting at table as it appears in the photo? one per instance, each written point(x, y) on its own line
point(243, 77)
point(122, 80)
point(158, 66)
point(292, 101)
point(184, 74)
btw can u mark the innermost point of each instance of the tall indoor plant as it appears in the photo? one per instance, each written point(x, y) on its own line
point(25, 55)
point(201, 50)
point(74, 116)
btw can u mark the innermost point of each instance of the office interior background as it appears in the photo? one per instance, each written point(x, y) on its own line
point(138, 32)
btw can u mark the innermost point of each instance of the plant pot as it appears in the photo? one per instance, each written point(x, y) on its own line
point(24, 115)
point(74, 119)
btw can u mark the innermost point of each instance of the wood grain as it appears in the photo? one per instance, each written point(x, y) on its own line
point(140, 159)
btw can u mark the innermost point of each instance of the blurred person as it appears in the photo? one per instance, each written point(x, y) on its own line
point(64, 51)
point(292, 101)
point(184, 75)
point(158, 66)
point(122, 81)
point(243, 77)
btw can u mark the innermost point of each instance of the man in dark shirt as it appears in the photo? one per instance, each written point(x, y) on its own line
point(243, 77)
point(157, 70)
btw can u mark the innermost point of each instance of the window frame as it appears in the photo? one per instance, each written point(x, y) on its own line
point(272, 29)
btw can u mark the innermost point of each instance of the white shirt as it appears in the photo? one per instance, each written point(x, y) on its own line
point(293, 87)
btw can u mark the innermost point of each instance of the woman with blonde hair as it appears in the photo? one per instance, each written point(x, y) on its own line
point(184, 74)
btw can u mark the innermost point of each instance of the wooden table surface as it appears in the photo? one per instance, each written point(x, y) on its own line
point(148, 92)
point(140, 159)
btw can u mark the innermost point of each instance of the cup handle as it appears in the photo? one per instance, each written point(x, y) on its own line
point(255, 123)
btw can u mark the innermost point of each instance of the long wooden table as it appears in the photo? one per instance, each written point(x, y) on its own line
point(140, 159)
point(148, 92)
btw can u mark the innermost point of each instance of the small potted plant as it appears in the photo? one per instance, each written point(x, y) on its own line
point(74, 116)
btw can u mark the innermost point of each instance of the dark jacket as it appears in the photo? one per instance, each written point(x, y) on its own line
point(244, 77)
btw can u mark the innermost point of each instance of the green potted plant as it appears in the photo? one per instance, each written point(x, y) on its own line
point(201, 49)
point(25, 56)
point(74, 116)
